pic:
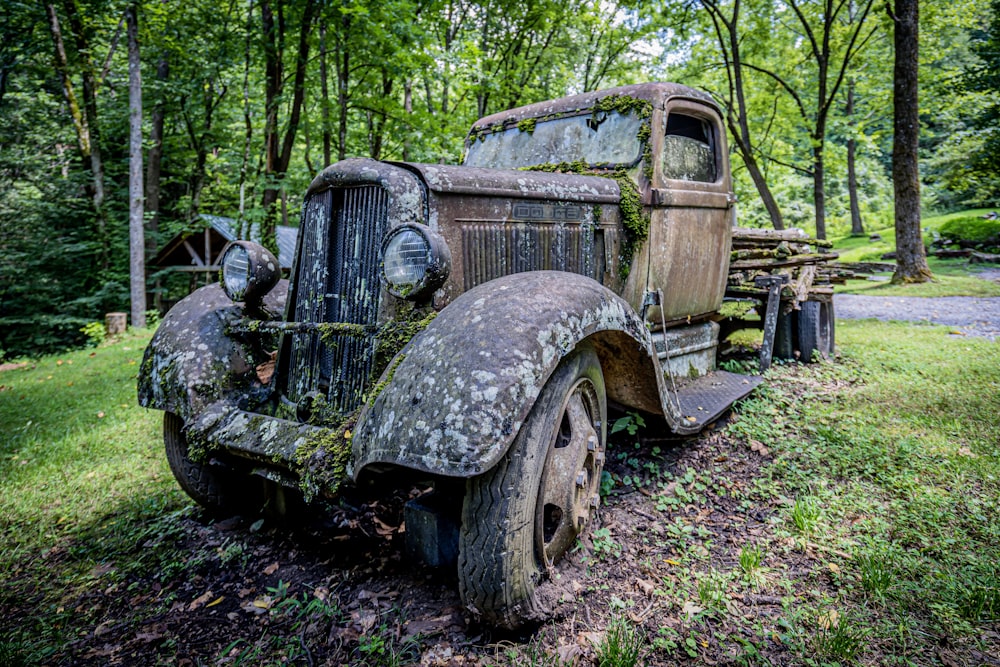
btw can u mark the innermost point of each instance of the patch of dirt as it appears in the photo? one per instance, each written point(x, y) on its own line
point(339, 589)
point(12, 366)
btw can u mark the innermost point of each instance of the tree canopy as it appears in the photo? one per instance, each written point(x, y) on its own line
point(243, 101)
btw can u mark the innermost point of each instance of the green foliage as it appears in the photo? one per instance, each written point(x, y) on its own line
point(973, 229)
point(805, 515)
point(95, 333)
point(839, 638)
point(877, 572)
point(621, 645)
point(604, 544)
point(751, 560)
point(630, 423)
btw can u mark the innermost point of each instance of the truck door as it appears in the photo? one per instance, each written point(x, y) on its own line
point(690, 226)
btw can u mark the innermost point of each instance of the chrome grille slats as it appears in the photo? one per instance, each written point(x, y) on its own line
point(491, 250)
point(339, 283)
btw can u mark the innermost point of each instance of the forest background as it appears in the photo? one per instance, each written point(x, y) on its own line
point(244, 101)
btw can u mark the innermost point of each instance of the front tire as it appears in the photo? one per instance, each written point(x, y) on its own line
point(212, 486)
point(522, 516)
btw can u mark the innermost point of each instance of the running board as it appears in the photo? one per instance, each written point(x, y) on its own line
point(703, 399)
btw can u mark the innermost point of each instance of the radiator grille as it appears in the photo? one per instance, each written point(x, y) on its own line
point(492, 250)
point(338, 282)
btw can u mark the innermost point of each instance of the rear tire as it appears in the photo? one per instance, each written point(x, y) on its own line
point(522, 516)
point(214, 487)
point(815, 330)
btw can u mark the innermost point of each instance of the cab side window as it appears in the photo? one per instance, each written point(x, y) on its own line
point(689, 149)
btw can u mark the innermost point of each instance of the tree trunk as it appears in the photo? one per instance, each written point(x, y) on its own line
point(155, 161)
point(408, 110)
point(244, 230)
point(62, 66)
point(89, 89)
point(911, 260)
point(857, 228)
point(756, 175)
point(819, 194)
point(136, 245)
point(739, 126)
point(324, 97)
point(273, 79)
point(343, 81)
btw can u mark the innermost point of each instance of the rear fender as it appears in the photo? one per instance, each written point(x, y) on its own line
point(453, 400)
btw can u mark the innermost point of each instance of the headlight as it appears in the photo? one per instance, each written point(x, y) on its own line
point(249, 271)
point(415, 261)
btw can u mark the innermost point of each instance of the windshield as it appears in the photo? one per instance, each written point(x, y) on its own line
point(607, 139)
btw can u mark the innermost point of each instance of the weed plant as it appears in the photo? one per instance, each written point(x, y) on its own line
point(622, 644)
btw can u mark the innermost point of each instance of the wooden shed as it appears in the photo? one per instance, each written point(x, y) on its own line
point(197, 253)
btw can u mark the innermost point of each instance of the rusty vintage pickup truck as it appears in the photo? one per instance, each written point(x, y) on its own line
point(469, 326)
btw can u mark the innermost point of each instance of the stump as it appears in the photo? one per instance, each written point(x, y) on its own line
point(115, 323)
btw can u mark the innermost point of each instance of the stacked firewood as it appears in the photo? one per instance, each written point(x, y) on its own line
point(806, 261)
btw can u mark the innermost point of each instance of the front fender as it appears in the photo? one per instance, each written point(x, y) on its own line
point(455, 397)
point(192, 362)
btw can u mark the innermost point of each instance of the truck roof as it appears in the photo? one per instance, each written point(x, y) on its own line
point(657, 94)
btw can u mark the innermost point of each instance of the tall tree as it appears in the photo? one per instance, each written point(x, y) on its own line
point(831, 56)
point(727, 33)
point(274, 17)
point(857, 227)
point(85, 121)
point(137, 245)
point(911, 259)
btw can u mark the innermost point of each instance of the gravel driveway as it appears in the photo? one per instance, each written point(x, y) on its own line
point(974, 316)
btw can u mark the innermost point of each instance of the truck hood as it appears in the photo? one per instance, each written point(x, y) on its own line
point(516, 183)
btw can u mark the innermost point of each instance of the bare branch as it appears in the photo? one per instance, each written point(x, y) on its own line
point(781, 82)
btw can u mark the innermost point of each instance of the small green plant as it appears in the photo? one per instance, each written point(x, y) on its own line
point(607, 483)
point(805, 515)
point(667, 640)
point(604, 545)
point(95, 333)
point(751, 562)
point(630, 423)
point(233, 552)
point(621, 645)
point(383, 646)
point(839, 638)
point(750, 655)
point(877, 573)
point(712, 590)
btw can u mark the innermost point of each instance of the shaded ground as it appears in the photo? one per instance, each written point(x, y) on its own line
point(341, 590)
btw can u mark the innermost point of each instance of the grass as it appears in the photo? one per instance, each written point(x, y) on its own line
point(953, 277)
point(905, 462)
point(621, 645)
point(76, 446)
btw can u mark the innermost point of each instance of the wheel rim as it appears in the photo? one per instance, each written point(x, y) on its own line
point(568, 493)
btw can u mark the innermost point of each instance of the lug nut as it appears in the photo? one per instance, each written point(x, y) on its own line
point(592, 443)
point(581, 479)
